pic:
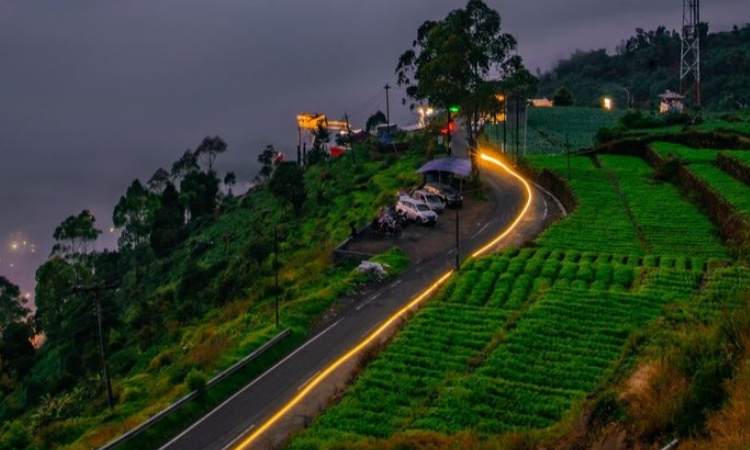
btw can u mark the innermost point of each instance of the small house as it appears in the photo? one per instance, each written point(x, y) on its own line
point(671, 102)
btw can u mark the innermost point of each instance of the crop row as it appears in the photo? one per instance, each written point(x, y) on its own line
point(687, 155)
point(561, 348)
point(600, 222)
point(438, 341)
point(552, 130)
point(660, 210)
point(704, 167)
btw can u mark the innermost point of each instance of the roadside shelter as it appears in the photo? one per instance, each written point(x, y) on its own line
point(446, 170)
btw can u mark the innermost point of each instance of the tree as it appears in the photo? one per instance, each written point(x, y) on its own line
point(167, 229)
point(374, 120)
point(452, 58)
point(186, 164)
point(134, 213)
point(319, 153)
point(198, 192)
point(75, 234)
point(158, 181)
point(209, 149)
point(288, 183)
point(12, 305)
point(266, 159)
point(230, 179)
point(562, 97)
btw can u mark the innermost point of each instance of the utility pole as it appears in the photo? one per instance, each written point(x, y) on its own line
point(387, 87)
point(567, 154)
point(276, 268)
point(518, 112)
point(450, 144)
point(299, 146)
point(505, 125)
point(96, 290)
point(349, 133)
point(107, 381)
point(458, 244)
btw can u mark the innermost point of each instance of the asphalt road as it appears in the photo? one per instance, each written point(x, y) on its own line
point(260, 399)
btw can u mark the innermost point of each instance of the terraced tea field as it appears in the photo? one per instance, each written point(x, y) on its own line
point(517, 338)
point(549, 130)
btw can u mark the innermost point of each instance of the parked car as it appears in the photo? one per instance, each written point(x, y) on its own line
point(415, 210)
point(446, 193)
point(431, 200)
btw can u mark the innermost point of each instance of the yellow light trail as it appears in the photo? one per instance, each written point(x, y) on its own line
point(335, 365)
point(529, 199)
point(375, 334)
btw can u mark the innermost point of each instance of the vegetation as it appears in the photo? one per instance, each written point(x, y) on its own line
point(648, 64)
point(552, 131)
point(518, 341)
point(188, 292)
point(453, 57)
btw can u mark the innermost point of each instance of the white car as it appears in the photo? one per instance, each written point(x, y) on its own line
point(415, 210)
point(431, 200)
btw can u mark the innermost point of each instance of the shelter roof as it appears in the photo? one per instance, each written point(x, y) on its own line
point(457, 166)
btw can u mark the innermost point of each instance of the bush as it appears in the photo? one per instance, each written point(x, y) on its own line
point(196, 380)
point(14, 437)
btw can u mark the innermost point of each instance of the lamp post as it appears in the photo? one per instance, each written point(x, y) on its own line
point(276, 269)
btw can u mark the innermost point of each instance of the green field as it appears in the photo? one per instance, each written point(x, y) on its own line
point(549, 130)
point(702, 163)
point(516, 340)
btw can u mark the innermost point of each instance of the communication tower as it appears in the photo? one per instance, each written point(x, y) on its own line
point(690, 62)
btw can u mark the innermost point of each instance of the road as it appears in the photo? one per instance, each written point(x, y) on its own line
point(248, 409)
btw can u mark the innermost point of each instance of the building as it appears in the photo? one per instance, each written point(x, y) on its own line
point(540, 102)
point(671, 102)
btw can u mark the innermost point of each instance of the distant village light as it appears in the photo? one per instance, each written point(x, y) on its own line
point(607, 103)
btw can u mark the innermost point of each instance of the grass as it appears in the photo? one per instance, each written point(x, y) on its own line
point(517, 340)
point(551, 129)
point(147, 379)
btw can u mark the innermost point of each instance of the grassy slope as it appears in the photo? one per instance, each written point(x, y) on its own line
point(518, 339)
point(215, 340)
point(550, 128)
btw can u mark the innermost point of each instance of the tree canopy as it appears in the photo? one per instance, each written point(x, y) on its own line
point(75, 234)
point(287, 184)
point(451, 59)
point(648, 63)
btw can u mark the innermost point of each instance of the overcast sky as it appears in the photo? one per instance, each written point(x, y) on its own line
point(94, 93)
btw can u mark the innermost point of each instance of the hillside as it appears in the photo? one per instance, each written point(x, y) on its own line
point(175, 316)
point(624, 321)
point(648, 63)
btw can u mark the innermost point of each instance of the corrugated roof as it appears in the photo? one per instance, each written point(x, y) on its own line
point(457, 166)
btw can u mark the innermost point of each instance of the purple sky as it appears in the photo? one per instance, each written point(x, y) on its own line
point(94, 93)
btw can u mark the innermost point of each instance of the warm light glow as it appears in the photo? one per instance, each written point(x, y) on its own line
point(335, 365)
point(529, 197)
point(607, 103)
point(311, 121)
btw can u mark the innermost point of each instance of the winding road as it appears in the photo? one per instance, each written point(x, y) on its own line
point(287, 396)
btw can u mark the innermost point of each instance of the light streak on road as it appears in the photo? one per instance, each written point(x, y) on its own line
point(316, 380)
point(521, 215)
point(335, 365)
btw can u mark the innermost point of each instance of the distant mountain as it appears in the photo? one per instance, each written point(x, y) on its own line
point(648, 63)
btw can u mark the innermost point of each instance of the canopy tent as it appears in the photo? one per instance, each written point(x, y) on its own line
point(458, 166)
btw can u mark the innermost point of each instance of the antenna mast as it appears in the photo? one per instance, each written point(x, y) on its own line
point(690, 62)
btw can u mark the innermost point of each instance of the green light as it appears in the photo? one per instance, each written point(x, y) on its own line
point(454, 109)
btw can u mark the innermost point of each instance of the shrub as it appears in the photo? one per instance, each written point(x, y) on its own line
point(196, 380)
